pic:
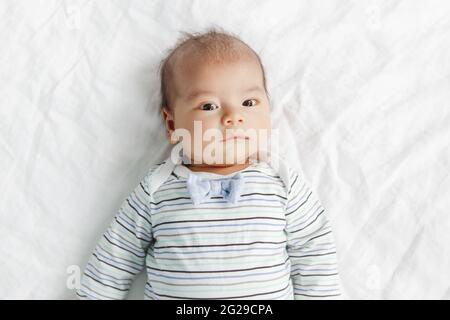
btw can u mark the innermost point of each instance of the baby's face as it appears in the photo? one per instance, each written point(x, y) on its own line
point(228, 98)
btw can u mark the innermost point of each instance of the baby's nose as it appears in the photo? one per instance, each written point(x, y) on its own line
point(233, 118)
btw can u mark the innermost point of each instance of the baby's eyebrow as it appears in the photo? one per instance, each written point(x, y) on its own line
point(254, 88)
point(197, 93)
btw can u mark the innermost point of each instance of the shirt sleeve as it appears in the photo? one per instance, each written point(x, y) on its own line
point(310, 244)
point(120, 253)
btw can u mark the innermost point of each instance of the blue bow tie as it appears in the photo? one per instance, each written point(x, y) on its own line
point(201, 189)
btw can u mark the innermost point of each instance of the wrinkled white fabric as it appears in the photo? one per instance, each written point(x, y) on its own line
point(359, 92)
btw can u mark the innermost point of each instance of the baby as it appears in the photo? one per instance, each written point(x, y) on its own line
point(216, 220)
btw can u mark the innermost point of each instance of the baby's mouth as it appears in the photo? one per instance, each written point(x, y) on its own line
point(236, 138)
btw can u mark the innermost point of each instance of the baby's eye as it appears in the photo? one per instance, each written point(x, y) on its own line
point(249, 103)
point(209, 106)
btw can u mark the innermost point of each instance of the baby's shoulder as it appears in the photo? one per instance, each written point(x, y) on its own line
point(154, 167)
point(151, 175)
point(285, 171)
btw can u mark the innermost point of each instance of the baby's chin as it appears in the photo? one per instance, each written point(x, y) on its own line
point(224, 154)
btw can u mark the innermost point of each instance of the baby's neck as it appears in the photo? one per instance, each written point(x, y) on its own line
point(223, 170)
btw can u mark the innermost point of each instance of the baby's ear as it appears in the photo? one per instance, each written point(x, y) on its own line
point(168, 122)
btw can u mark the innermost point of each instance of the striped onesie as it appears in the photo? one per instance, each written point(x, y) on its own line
point(275, 243)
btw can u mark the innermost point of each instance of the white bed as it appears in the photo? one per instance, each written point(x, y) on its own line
point(360, 88)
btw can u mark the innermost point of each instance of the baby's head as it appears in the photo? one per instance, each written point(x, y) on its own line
point(215, 83)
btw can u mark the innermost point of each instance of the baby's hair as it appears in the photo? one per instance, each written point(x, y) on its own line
point(215, 45)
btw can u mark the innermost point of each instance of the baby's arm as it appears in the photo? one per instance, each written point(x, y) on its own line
point(120, 253)
point(310, 244)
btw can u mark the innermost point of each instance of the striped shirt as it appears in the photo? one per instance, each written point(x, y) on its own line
point(275, 243)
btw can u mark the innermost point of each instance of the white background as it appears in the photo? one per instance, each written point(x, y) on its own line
point(360, 92)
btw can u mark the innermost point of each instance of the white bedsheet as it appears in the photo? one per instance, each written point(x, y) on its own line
point(360, 90)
